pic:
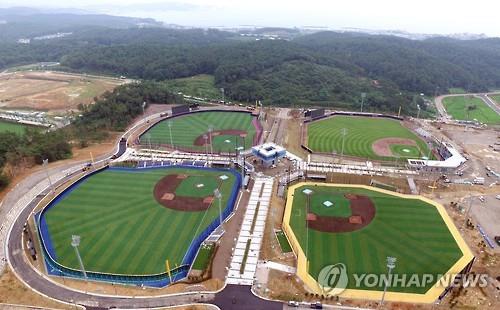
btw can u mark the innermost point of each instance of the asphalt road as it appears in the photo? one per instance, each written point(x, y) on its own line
point(16, 257)
point(490, 102)
point(240, 297)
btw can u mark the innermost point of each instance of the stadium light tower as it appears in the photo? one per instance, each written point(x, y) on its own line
point(391, 264)
point(223, 95)
point(75, 242)
point(218, 195)
point(308, 192)
point(205, 137)
point(210, 129)
point(363, 96)
point(240, 158)
point(45, 163)
point(344, 133)
point(169, 123)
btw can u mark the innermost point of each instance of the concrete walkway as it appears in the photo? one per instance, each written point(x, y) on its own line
point(248, 245)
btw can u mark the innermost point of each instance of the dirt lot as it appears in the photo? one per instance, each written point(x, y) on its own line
point(476, 143)
point(51, 91)
point(12, 291)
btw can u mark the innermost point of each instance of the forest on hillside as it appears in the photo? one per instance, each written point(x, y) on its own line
point(320, 69)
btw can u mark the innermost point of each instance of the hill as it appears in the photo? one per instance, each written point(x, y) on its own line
point(320, 69)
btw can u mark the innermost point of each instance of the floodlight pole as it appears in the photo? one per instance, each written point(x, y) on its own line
point(391, 263)
point(308, 195)
point(75, 242)
point(471, 198)
point(45, 163)
point(150, 147)
point(205, 137)
point(170, 131)
point(218, 195)
point(210, 129)
point(344, 133)
point(363, 96)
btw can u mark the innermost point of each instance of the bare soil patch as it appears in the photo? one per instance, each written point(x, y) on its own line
point(381, 147)
point(363, 212)
point(51, 91)
point(164, 194)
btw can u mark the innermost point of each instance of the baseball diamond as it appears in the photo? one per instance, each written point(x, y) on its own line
point(361, 226)
point(367, 137)
point(126, 228)
point(230, 129)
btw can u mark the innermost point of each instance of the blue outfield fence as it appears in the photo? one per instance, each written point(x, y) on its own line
point(158, 280)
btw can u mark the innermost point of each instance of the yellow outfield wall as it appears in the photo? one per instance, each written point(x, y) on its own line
point(429, 297)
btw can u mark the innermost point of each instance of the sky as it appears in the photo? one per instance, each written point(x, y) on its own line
point(417, 16)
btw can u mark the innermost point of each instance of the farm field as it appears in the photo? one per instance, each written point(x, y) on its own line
point(457, 108)
point(366, 137)
point(188, 131)
point(202, 86)
point(51, 91)
point(411, 230)
point(125, 227)
point(11, 127)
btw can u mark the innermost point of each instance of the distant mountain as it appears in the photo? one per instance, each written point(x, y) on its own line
point(26, 23)
point(26, 11)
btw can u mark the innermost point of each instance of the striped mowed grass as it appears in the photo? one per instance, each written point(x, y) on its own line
point(326, 136)
point(186, 128)
point(123, 229)
point(409, 229)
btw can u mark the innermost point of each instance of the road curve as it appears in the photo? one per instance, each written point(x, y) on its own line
point(43, 285)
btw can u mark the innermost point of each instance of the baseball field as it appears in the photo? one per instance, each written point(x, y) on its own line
point(132, 221)
point(229, 131)
point(366, 137)
point(11, 127)
point(465, 108)
point(361, 227)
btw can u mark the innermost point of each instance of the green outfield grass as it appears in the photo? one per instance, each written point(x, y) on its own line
point(202, 85)
point(326, 136)
point(185, 130)
point(123, 229)
point(457, 108)
point(409, 229)
point(11, 127)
